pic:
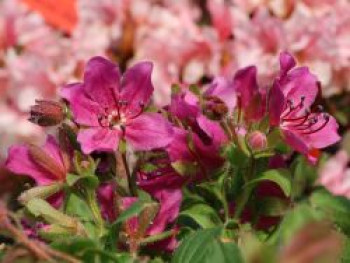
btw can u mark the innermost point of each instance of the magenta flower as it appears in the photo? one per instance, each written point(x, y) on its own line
point(109, 107)
point(242, 93)
point(164, 184)
point(304, 126)
point(207, 136)
point(107, 200)
point(165, 214)
point(222, 88)
point(46, 165)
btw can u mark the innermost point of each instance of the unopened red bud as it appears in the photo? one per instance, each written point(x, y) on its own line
point(257, 140)
point(46, 113)
point(214, 108)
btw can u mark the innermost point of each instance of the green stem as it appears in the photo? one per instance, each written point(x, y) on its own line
point(157, 237)
point(131, 180)
point(247, 191)
point(95, 210)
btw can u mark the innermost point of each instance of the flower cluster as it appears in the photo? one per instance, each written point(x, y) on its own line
point(129, 176)
point(187, 41)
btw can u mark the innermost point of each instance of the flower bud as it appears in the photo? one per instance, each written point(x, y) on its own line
point(257, 141)
point(214, 108)
point(46, 113)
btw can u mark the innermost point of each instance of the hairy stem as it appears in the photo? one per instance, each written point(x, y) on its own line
point(131, 180)
point(95, 210)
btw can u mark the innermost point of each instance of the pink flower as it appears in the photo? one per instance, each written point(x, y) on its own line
point(242, 92)
point(167, 214)
point(251, 99)
point(221, 17)
point(206, 136)
point(45, 166)
point(107, 200)
point(110, 107)
point(173, 41)
point(335, 174)
point(222, 88)
point(304, 127)
point(164, 184)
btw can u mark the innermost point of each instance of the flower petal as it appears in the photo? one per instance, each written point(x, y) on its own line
point(136, 88)
point(178, 148)
point(212, 129)
point(246, 85)
point(180, 108)
point(301, 84)
point(149, 131)
point(85, 111)
point(287, 62)
point(170, 201)
point(101, 81)
point(276, 104)
point(223, 89)
point(326, 136)
point(295, 141)
point(106, 198)
point(19, 161)
point(52, 148)
point(99, 139)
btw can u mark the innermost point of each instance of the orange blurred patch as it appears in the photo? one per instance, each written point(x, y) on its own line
point(61, 14)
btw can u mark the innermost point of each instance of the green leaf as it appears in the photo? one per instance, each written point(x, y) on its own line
point(213, 192)
point(205, 246)
point(236, 156)
point(72, 179)
point(204, 215)
point(89, 251)
point(39, 207)
point(346, 251)
point(279, 176)
point(54, 232)
point(190, 199)
point(134, 210)
point(77, 207)
point(41, 192)
point(264, 154)
point(336, 208)
point(157, 237)
point(144, 196)
point(304, 175)
point(224, 252)
point(293, 221)
point(90, 181)
point(272, 206)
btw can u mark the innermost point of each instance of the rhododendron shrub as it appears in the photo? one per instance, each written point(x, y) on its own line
point(226, 172)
